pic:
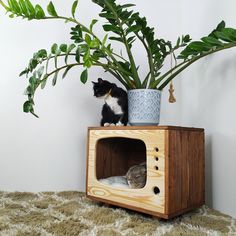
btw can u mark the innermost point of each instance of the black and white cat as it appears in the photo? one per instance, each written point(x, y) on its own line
point(115, 109)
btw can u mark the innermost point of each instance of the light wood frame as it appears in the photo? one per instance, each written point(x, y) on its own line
point(164, 146)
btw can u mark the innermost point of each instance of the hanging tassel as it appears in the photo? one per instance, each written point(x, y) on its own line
point(171, 90)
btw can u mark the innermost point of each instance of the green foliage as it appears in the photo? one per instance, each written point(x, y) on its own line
point(51, 10)
point(220, 38)
point(73, 9)
point(124, 26)
point(84, 76)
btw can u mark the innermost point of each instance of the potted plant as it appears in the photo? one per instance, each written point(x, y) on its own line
point(88, 50)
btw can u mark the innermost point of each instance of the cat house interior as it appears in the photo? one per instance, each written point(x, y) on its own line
point(121, 162)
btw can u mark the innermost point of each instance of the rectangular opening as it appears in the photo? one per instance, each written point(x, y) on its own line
point(118, 161)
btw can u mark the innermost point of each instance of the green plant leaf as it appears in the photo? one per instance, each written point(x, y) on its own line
point(199, 46)
point(32, 80)
point(107, 16)
point(134, 29)
point(127, 5)
point(73, 9)
point(10, 5)
point(23, 7)
point(87, 39)
point(212, 41)
point(112, 28)
point(54, 80)
point(42, 53)
point(25, 71)
point(119, 39)
point(85, 29)
point(86, 54)
point(230, 32)
point(51, 10)
point(94, 21)
point(27, 107)
point(84, 76)
point(69, 49)
point(88, 63)
point(30, 9)
point(66, 71)
point(94, 43)
point(178, 42)
point(32, 64)
point(63, 48)
point(77, 57)
point(40, 72)
point(220, 26)
point(131, 39)
point(104, 40)
point(223, 36)
point(77, 34)
point(187, 38)
point(39, 13)
point(44, 81)
point(58, 52)
point(15, 6)
point(54, 48)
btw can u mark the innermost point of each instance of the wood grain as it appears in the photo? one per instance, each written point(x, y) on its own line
point(185, 165)
point(105, 149)
point(175, 165)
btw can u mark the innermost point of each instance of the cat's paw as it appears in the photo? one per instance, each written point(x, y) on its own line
point(119, 124)
point(112, 124)
point(106, 124)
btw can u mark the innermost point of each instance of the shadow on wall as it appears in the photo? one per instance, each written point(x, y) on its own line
point(216, 79)
point(208, 100)
point(208, 170)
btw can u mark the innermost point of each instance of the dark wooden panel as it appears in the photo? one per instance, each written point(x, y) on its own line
point(185, 170)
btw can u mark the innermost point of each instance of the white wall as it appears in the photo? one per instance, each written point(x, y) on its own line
point(208, 100)
point(49, 153)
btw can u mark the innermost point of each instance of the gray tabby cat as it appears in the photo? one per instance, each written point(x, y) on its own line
point(137, 175)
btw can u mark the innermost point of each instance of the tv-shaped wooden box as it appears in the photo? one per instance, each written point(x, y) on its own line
point(175, 167)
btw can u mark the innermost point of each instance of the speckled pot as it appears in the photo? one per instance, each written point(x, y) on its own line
point(144, 106)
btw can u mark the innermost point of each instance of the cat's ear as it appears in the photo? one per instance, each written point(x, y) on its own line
point(93, 82)
point(100, 80)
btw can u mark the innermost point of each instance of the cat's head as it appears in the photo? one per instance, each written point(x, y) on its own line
point(101, 88)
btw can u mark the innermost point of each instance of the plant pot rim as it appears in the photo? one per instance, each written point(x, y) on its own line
point(145, 90)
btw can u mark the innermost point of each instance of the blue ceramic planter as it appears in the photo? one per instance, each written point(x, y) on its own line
point(144, 106)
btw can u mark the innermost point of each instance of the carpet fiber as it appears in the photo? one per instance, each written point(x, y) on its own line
point(72, 214)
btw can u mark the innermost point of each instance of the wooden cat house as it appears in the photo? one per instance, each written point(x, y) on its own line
point(175, 167)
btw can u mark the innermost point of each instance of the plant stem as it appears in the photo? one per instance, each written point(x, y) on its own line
point(104, 66)
point(132, 62)
point(191, 61)
point(114, 73)
point(149, 55)
point(156, 82)
point(107, 51)
point(145, 82)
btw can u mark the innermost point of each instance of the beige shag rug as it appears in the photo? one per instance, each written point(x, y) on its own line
point(72, 214)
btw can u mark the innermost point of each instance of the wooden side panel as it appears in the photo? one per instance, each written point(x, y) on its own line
point(138, 199)
point(185, 166)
